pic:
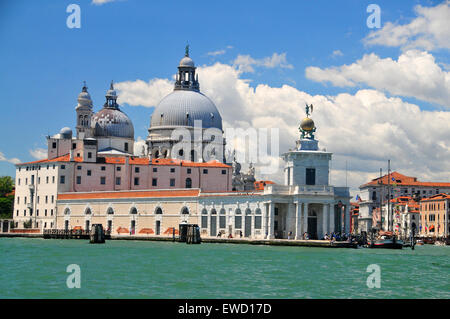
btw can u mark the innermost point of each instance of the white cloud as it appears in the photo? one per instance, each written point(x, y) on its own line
point(139, 147)
point(415, 74)
point(143, 93)
point(337, 53)
point(364, 129)
point(14, 160)
point(429, 30)
point(100, 2)
point(39, 153)
point(246, 64)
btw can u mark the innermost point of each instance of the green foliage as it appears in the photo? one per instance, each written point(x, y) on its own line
point(6, 206)
point(6, 185)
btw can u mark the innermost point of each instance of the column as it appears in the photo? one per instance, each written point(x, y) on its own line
point(264, 214)
point(298, 220)
point(305, 218)
point(331, 210)
point(252, 234)
point(325, 219)
point(270, 234)
point(243, 214)
point(347, 218)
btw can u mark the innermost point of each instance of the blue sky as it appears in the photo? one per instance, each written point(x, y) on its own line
point(43, 62)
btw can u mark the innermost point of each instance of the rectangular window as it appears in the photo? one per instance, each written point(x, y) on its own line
point(136, 181)
point(53, 179)
point(126, 147)
point(118, 168)
point(310, 176)
point(102, 180)
point(257, 222)
point(54, 145)
point(103, 168)
point(172, 182)
point(189, 170)
point(45, 212)
point(238, 222)
point(18, 200)
point(154, 182)
point(89, 155)
point(18, 181)
point(51, 212)
point(155, 169)
point(224, 172)
point(46, 199)
point(89, 172)
point(172, 170)
point(38, 199)
point(63, 166)
point(78, 180)
point(74, 146)
point(62, 179)
point(222, 221)
point(53, 199)
point(204, 221)
point(136, 169)
point(117, 180)
point(205, 171)
point(79, 168)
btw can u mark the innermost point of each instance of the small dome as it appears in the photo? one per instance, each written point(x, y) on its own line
point(66, 132)
point(187, 61)
point(110, 122)
point(307, 124)
point(182, 108)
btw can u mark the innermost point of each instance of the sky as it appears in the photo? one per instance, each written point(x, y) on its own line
point(378, 93)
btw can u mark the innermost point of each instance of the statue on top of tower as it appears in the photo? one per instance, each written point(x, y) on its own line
point(307, 126)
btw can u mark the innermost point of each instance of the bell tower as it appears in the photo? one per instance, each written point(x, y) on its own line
point(306, 164)
point(84, 114)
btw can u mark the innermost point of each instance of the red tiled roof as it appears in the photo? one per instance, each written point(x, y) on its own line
point(402, 180)
point(130, 194)
point(436, 197)
point(137, 161)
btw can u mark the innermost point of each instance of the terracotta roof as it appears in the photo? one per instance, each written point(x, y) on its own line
point(402, 180)
point(436, 197)
point(130, 194)
point(136, 161)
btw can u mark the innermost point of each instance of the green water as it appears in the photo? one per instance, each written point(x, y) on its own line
point(36, 268)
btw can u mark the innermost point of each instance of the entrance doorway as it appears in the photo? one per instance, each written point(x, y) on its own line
point(158, 227)
point(66, 225)
point(248, 226)
point(87, 225)
point(213, 226)
point(312, 225)
point(133, 227)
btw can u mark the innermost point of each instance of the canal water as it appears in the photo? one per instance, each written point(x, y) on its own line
point(36, 268)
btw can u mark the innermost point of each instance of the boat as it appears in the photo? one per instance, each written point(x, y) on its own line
point(420, 242)
point(439, 243)
point(387, 240)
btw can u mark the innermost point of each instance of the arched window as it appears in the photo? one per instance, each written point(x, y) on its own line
point(88, 211)
point(238, 219)
point(158, 211)
point(67, 211)
point(222, 218)
point(188, 182)
point(110, 211)
point(185, 211)
point(133, 211)
point(258, 218)
point(248, 211)
point(204, 220)
point(213, 212)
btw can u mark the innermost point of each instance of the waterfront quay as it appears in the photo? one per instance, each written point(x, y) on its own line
point(272, 242)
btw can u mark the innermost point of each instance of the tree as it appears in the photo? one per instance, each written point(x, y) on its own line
point(6, 185)
point(6, 206)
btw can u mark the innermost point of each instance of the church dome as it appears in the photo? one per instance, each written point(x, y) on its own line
point(187, 61)
point(109, 122)
point(84, 98)
point(183, 107)
point(307, 124)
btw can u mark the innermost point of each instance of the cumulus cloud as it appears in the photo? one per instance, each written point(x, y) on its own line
point(14, 160)
point(140, 147)
point(415, 74)
point(246, 64)
point(363, 129)
point(143, 93)
point(429, 30)
point(39, 153)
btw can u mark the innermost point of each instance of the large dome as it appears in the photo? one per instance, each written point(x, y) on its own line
point(110, 122)
point(183, 107)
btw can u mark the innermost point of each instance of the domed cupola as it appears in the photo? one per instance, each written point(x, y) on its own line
point(110, 121)
point(84, 113)
point(84, 98)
